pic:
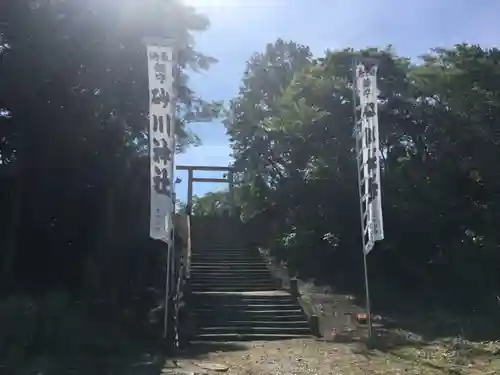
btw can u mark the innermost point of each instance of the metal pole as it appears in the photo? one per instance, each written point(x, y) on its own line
point(367, 289)
point(167, 292)
point(170, 253)
point(359, 166)
point(171, 235)
point(173, 255)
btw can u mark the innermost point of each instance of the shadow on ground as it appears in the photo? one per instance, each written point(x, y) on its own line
point(55, 335)
point(415, 321)
point(199, 350)
point(415, 318)
point(140, 363)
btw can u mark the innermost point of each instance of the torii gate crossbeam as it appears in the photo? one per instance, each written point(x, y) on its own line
point(191, 168)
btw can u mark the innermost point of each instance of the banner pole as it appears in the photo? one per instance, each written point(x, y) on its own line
point(167, 291)
point(359, 163)
point(160, 59)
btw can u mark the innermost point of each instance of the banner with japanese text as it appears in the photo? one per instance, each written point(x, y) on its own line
point(369, 154)
point(161, 138)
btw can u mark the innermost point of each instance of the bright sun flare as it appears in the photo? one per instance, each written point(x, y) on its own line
point(211, 3)
point(229, 13)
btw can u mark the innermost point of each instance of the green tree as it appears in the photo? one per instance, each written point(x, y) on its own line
point(78, 117)
point(73, 146)
point(437, 131)
point(213, 203)
point(265, 77)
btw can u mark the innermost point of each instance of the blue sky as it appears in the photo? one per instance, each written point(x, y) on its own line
point(241, 27)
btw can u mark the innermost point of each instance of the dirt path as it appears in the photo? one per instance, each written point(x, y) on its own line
point(311, 357)
point(293, 357)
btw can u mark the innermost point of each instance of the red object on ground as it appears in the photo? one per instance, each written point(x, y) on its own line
point(362, 318)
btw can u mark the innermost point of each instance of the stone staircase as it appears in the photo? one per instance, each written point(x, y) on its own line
point(233, 294)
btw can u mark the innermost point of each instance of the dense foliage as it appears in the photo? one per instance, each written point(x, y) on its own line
point(73, 154)
point(291, 132)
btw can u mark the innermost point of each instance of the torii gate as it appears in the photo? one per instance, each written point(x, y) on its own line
point(191, 168)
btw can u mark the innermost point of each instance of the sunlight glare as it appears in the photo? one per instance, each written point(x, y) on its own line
point(230, 14)
point(212, 3)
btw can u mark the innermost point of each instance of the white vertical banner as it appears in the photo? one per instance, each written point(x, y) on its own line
point(369, 154)
point(160, 55)
point(376, 155)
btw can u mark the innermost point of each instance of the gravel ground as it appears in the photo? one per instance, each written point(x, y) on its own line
point(305, 356)
point(310, 356)
point(291, 357)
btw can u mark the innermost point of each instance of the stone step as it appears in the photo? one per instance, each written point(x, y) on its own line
point(214, 286)
point(245, 276)
point(232, 275)
point(262, 323)
point(253, 316)
point(229, 272)
point(228, 262)
point(230, 253)
point(237, 307)
point(204, 267)
point(226, 258)
point(225, 250)
point(228, 337)
point(222, 281)
point(211, 249)
point(235, 275)
point(230, 288)
point(233, 281)
point(260, 330)
point(224, 269)
point(216, 260)
point(209, 246)
point(200, 267)
point(229, 249)
point(264, 312)
point(247, 296)
point(232, 300)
